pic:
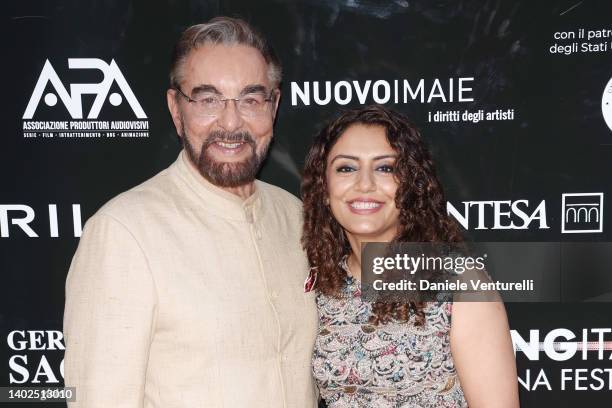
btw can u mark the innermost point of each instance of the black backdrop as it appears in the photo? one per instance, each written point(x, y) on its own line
point(557, 141)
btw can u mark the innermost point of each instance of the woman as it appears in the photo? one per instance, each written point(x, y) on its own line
point(369, 178)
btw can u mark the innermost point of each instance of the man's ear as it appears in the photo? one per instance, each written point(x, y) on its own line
point(173, 107)
point(276, 95)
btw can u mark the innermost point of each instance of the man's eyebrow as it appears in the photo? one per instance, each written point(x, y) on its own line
point(207, 88)
point(254, 88)
point(204, 88)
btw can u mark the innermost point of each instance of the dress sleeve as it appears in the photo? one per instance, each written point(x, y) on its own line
point(109, 317)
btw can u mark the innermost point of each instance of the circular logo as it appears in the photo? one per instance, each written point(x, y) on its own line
point(606, 104)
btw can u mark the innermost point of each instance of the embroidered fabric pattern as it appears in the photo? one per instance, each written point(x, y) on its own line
point(395, 365)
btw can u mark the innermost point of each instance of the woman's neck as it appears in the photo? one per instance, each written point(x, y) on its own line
point(354, 260)
point(354, 265)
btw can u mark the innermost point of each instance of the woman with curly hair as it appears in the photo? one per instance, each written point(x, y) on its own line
point(369, 178)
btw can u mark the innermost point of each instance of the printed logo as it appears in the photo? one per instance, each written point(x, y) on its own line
point(73, 100)
point(85, 122)
point(382, 91)
point(37, 357)
point(499, 215)
point(17, 219)
point(581, 213)
point(571, 347)
point(606, 104)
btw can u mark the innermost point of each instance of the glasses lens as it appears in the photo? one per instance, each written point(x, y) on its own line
point(211, 104)
point(252, 104)
point(208, 105)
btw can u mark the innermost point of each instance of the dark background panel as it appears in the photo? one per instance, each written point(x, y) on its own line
point(558, 142)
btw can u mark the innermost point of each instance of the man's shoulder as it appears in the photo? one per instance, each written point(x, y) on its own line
point(279, 196)
point(153, 193)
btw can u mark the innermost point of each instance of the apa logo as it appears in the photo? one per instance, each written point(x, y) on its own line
point(606, 104)
point(73, 100)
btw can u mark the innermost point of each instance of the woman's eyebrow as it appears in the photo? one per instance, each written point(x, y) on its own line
point(386, 156)
point(346, 156)
point(343, 156)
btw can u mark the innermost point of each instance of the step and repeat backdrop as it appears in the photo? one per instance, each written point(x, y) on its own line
point(514, 99)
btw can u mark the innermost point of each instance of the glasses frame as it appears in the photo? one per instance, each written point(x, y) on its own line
point(268, 99)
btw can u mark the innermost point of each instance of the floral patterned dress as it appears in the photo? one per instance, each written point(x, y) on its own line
point(356, 364)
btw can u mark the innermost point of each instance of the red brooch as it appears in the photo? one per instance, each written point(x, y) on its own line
point(310, 280)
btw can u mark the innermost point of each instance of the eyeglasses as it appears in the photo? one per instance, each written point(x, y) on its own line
point(212, 104)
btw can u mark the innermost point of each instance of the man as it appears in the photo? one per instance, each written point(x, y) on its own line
point(187, 290)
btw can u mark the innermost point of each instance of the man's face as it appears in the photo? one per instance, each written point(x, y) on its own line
point(226, 148)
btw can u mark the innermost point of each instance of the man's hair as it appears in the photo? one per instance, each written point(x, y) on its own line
point(222, 31)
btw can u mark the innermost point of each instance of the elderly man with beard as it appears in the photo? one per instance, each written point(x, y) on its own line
point(187, 290)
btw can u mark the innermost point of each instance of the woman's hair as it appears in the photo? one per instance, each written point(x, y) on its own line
point(419, 198)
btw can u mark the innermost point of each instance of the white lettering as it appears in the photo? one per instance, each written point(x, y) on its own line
point(317, 96)
point(347, 91)
point(303, 94)
point(22, 223)
point(376, 92)
point(19, 369)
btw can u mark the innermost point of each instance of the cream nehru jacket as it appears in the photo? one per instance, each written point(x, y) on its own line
point(181, 295)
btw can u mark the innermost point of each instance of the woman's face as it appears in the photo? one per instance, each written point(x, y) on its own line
point(361, 183)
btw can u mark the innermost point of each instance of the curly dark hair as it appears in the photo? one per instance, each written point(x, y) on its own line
point(419, 197)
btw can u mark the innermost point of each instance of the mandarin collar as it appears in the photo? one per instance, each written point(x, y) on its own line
point(222, 203)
